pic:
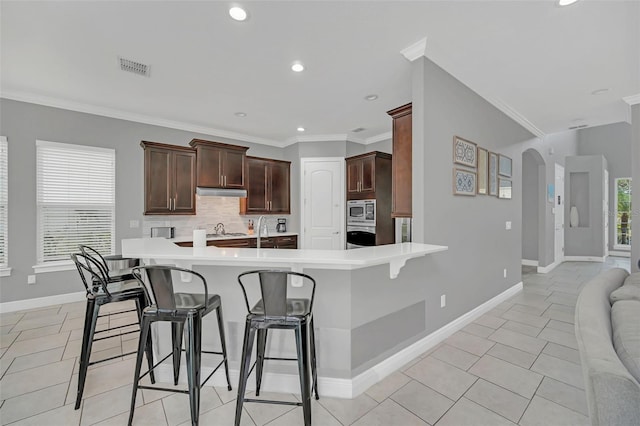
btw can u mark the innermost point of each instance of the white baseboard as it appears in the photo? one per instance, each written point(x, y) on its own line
point(40, 302)
point(620, 253)
point(548, 268)
point(584, 259)
point(350, 388)
point(527, 262)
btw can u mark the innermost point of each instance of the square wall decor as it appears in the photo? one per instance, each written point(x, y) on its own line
point(464, 152)
point(464, 182)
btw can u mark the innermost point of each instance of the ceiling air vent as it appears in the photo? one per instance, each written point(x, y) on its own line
point(581, 126)
point(358, 129)
point(134, 67)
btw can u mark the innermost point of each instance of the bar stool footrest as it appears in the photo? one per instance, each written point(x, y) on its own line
point(271, 401)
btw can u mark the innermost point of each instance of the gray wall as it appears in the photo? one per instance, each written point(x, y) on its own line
point(471, 271)
point(23, 123)
point(584, 188)
point(614, 142)
point(635, 200)
point(530, 204)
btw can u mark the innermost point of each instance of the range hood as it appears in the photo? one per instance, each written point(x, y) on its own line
point(221, 192)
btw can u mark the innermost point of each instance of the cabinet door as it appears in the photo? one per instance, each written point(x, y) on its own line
point(279, 188)
point(368, 180)
point(354, 172)
point(184, 182)
point(257, 201)
point(401, 191)
point(236, 242)
point(287, 242)
point(209, 164)
point(157, 181)
point(233, 169)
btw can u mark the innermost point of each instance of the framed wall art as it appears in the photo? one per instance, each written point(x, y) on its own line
point(504, 166)
point(504, 188)
point(483, 170)
point(464, 182)
point(493, 174)
point(464, 152)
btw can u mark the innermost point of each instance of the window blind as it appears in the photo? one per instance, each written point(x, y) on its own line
point(75, 199)
point(4, 202)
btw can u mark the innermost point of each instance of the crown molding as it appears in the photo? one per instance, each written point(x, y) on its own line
point(130, 116)
point(514, 115)
point(378, 138)
point(633, 99)
point(416, 50)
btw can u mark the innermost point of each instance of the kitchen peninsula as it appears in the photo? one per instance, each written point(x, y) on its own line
point(370, 304)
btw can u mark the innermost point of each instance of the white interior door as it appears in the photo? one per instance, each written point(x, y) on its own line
point(558, 204)
point(323, 208)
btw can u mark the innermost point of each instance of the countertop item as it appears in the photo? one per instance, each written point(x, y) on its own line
point(163, 231)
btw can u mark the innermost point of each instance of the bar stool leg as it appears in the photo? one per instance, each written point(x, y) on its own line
point(262, 343)
point(141, 303)
point(90, 322)
point(303, 370)
point(223, 341)
point(193, 347)
point(314, 367)
point(176, 343)
point(247, 346)
point(145, 325)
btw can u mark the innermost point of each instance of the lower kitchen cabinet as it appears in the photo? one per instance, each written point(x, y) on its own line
point(278, 242)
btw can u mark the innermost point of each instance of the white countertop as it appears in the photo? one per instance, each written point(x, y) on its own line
point(162, 250)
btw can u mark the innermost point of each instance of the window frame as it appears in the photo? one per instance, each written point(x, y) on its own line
point(64, 265)
point(616, 245)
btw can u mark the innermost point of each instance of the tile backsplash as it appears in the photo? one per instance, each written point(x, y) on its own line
point(209, 212)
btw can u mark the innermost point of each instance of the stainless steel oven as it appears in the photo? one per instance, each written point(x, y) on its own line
point(360, 236)
point(361, 212)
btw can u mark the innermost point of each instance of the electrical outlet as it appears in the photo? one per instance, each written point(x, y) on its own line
point(443, 300)
point(31, 279)
point(505, 272)
point(134, 224)
point(507, 225)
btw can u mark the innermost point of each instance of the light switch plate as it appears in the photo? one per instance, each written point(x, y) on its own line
point(134, 224)
point(507, 225)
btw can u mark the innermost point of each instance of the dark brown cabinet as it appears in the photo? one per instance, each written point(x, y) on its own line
point(401, 170)
point(268, 187)
point(169, 179)
point(364, 172)
point(283, 242)
point(220, 165)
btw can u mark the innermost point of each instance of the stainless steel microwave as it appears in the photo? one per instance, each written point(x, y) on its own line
point(361, 212)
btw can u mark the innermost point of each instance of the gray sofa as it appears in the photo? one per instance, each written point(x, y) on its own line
point(609, 342)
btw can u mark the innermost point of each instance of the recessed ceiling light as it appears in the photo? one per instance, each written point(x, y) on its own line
point(297, 67)
point(566, 2)
point(599, 91)
point(301, 129)
point(241, 114)
point(238, 13)
point(371, 97)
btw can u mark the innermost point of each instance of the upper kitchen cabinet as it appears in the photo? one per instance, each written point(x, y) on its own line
point(365, 172)
point(220, 165)
point(401, 170)
point(268, 187)
point(169, 179)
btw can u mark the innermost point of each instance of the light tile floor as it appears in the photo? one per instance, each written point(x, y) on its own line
point(517, 364)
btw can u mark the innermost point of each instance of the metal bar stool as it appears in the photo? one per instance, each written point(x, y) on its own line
point(276, 311)
point(181, 309)
point(101, 289)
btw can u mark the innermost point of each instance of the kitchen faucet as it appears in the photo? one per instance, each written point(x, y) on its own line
point(262, 222)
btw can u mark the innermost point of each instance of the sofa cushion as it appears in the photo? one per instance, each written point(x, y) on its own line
point(633, 279)
point(625, 324)
point(626, 292)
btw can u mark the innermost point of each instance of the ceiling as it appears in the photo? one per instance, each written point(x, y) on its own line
point(535, 60)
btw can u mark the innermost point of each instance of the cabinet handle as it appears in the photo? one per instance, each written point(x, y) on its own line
point(225, 180)
point(170, 201)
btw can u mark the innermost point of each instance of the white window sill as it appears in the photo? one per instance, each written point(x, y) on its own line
point(621, 247)
point(61, 265)
point(5, 272)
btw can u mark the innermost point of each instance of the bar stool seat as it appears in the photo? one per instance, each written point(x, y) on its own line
point(185, 312)
point(102, 289)
point(275, 310)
